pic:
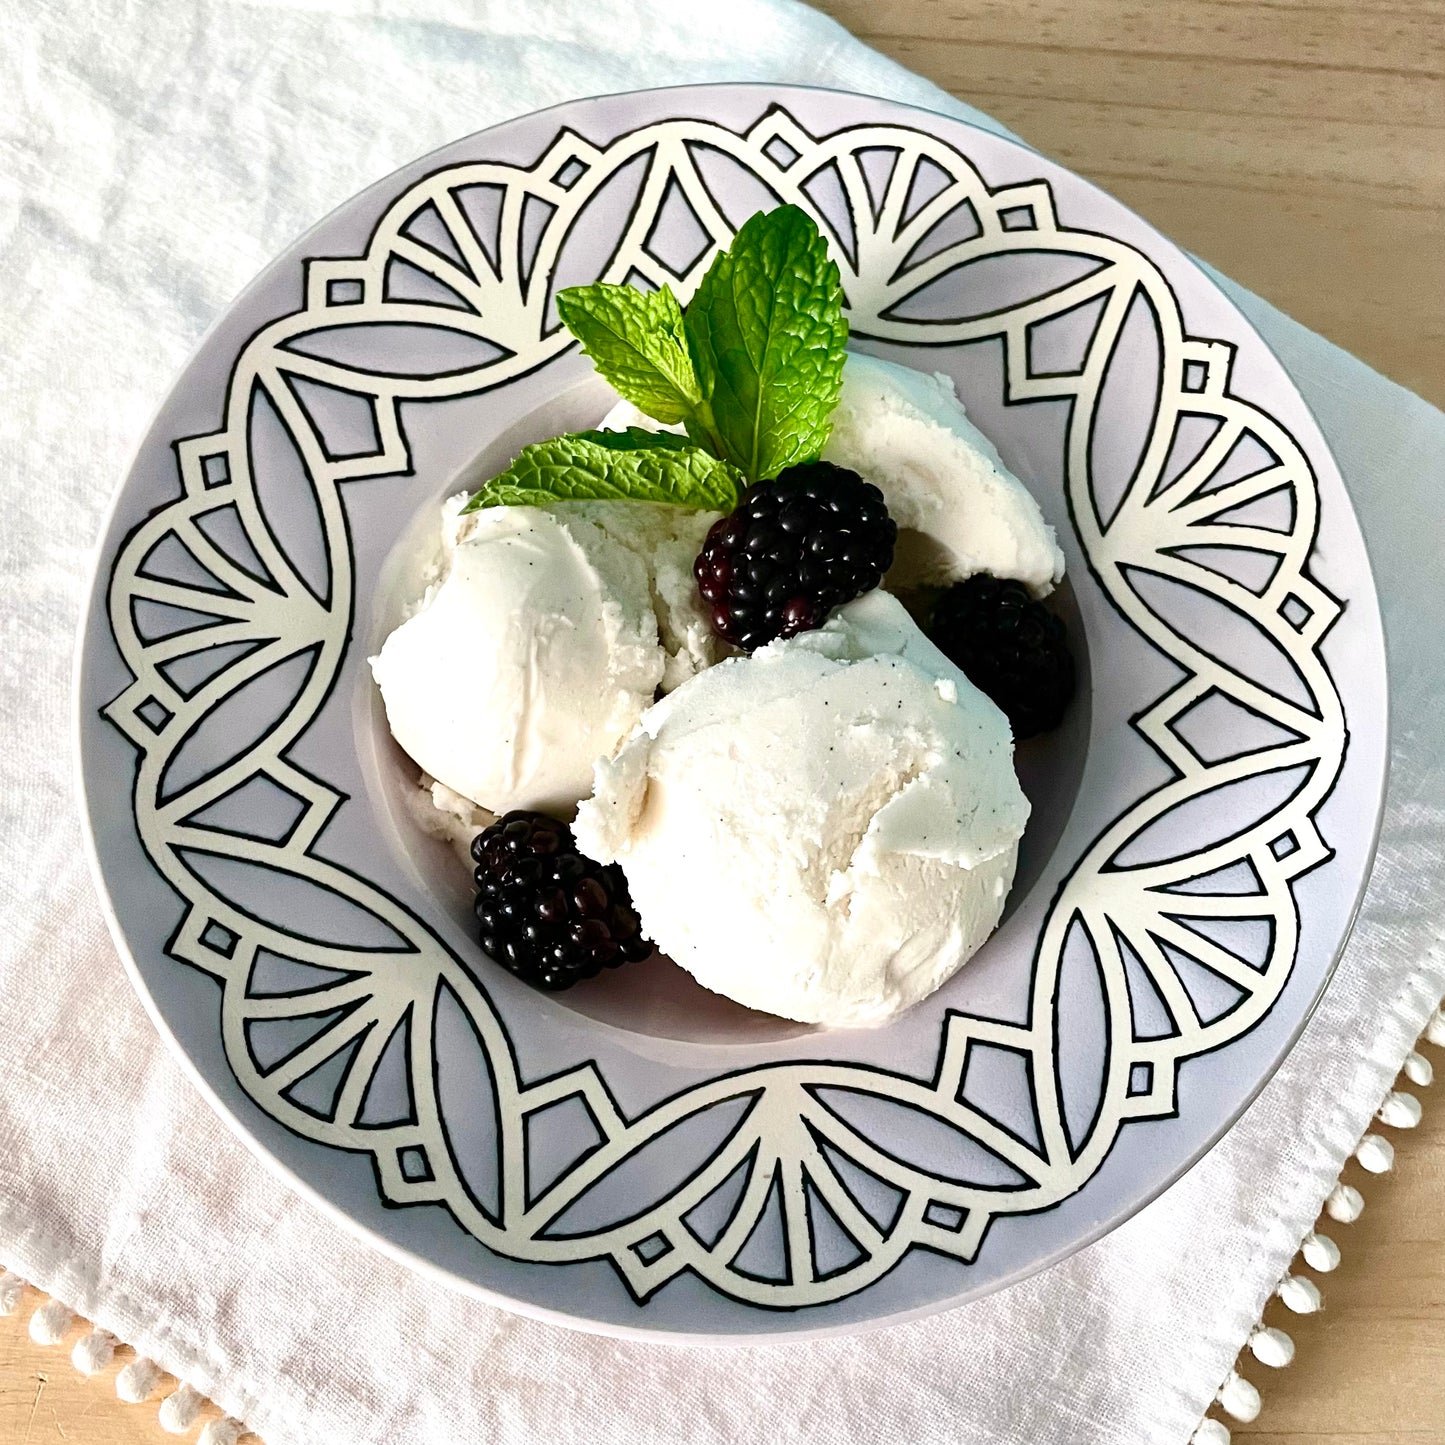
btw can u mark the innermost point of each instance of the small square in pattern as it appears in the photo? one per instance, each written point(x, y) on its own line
point(944, 1216)
point(651, 1248)
point(1284, 845)
point(1141, 1079)
point(1196, 374)
point(1295, 612)
point(1019, 218)
point(569, 174)
point(780, 152)
point(154, 714)
point(343, 293)
point(415, 1166)
point(216, 469)
point(219, 939)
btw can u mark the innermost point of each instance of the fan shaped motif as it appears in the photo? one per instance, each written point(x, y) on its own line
point(779, 1191)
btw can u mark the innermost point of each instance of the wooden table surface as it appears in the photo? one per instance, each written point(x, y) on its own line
point(1300, 146)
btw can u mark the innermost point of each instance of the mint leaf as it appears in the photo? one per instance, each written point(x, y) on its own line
point(600, 466)
point(636, 438)
point(767, 336)
point(635, 339)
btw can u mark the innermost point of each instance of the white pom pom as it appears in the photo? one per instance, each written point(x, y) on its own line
point(51, 1323)
point(1271, 1347)
point(1320, 1252)
point(178, 1412)
point(1300, 1295)
point(11, 1288)
point(1419, 1070)
point(1376, 1154)
point(1239, 1398)
point(137, 1380)
point(93, 1352)
point(1400, 1111)
point(1210, 1432)
point(1345, 1203)
point(224, 1431)
point(1435, 1029)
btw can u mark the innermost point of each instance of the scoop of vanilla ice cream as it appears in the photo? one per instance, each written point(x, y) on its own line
point(825, 830)
point(667, 540)
point(534, 652)
point(958, 507)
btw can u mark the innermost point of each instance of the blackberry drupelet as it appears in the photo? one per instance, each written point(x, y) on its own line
point(547, 913)
point(1010, 647)
point(813, 538)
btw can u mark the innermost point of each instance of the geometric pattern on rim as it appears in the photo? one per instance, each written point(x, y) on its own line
point(1133, 923)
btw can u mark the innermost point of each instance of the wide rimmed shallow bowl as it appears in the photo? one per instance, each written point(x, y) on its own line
point(632, 1156)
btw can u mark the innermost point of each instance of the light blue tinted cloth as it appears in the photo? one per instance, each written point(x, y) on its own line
point(152, 158)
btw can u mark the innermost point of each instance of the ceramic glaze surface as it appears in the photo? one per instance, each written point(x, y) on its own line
point(1202, 828)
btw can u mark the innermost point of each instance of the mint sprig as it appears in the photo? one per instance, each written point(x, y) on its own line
point(768, 339)
point(752, 368)
point(602, 466)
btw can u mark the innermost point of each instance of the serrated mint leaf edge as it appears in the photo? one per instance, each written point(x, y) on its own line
point(584, 469)
point(742, 444)
point(673, 381)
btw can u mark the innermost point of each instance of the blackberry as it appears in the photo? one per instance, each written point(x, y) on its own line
point(1010, 647)
point(546, 913)
point(813, 538)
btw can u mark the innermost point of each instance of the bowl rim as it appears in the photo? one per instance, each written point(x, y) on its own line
point(419, 1264)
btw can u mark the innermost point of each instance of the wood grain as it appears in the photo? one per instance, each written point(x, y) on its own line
point(1370, 1368)
point(43, 1399)
point(1299, 146)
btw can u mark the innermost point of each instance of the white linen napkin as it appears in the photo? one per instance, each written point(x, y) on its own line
point(152, 158)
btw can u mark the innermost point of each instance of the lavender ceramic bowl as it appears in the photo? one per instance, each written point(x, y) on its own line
point(635, 1156)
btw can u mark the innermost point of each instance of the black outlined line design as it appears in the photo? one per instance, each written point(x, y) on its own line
point(492, 233)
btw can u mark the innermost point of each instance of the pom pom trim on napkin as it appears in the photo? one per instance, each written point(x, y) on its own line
point(1237, 1397)
point(137, 1380)
point(52, 1322)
